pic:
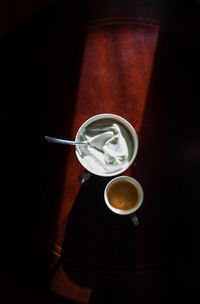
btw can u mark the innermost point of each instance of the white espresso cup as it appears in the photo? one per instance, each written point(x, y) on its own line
point(124, 195)
point(95, 158)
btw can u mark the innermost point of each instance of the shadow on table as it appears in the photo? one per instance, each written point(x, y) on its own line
point(41, 64)
point(40, 58)
point(97, 250)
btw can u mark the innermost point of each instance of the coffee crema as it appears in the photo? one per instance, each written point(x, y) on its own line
point(123, 195)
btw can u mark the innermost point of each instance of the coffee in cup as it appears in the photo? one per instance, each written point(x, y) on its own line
point(123, 195)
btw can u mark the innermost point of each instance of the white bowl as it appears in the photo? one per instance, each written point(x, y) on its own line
point(126, 125)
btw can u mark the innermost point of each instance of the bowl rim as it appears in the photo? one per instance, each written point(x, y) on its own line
point(125, 123)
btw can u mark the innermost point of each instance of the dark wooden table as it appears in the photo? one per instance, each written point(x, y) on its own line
point(60, 67)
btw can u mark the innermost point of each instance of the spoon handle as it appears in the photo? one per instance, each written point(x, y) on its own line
point(64, 141)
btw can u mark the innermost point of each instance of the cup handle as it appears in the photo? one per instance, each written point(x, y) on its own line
point(84, 176)
point(134, 219)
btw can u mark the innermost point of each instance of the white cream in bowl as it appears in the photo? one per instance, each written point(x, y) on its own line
point(113, 144)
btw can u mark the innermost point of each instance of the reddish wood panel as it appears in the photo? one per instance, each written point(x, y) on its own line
point(115, 76)
point(58, 79)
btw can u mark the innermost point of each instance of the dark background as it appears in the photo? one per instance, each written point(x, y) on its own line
point(14, 284)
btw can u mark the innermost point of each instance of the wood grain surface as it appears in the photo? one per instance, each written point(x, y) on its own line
point(125, 60)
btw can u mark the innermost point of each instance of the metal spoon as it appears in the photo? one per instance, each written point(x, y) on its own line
point(65, 142)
